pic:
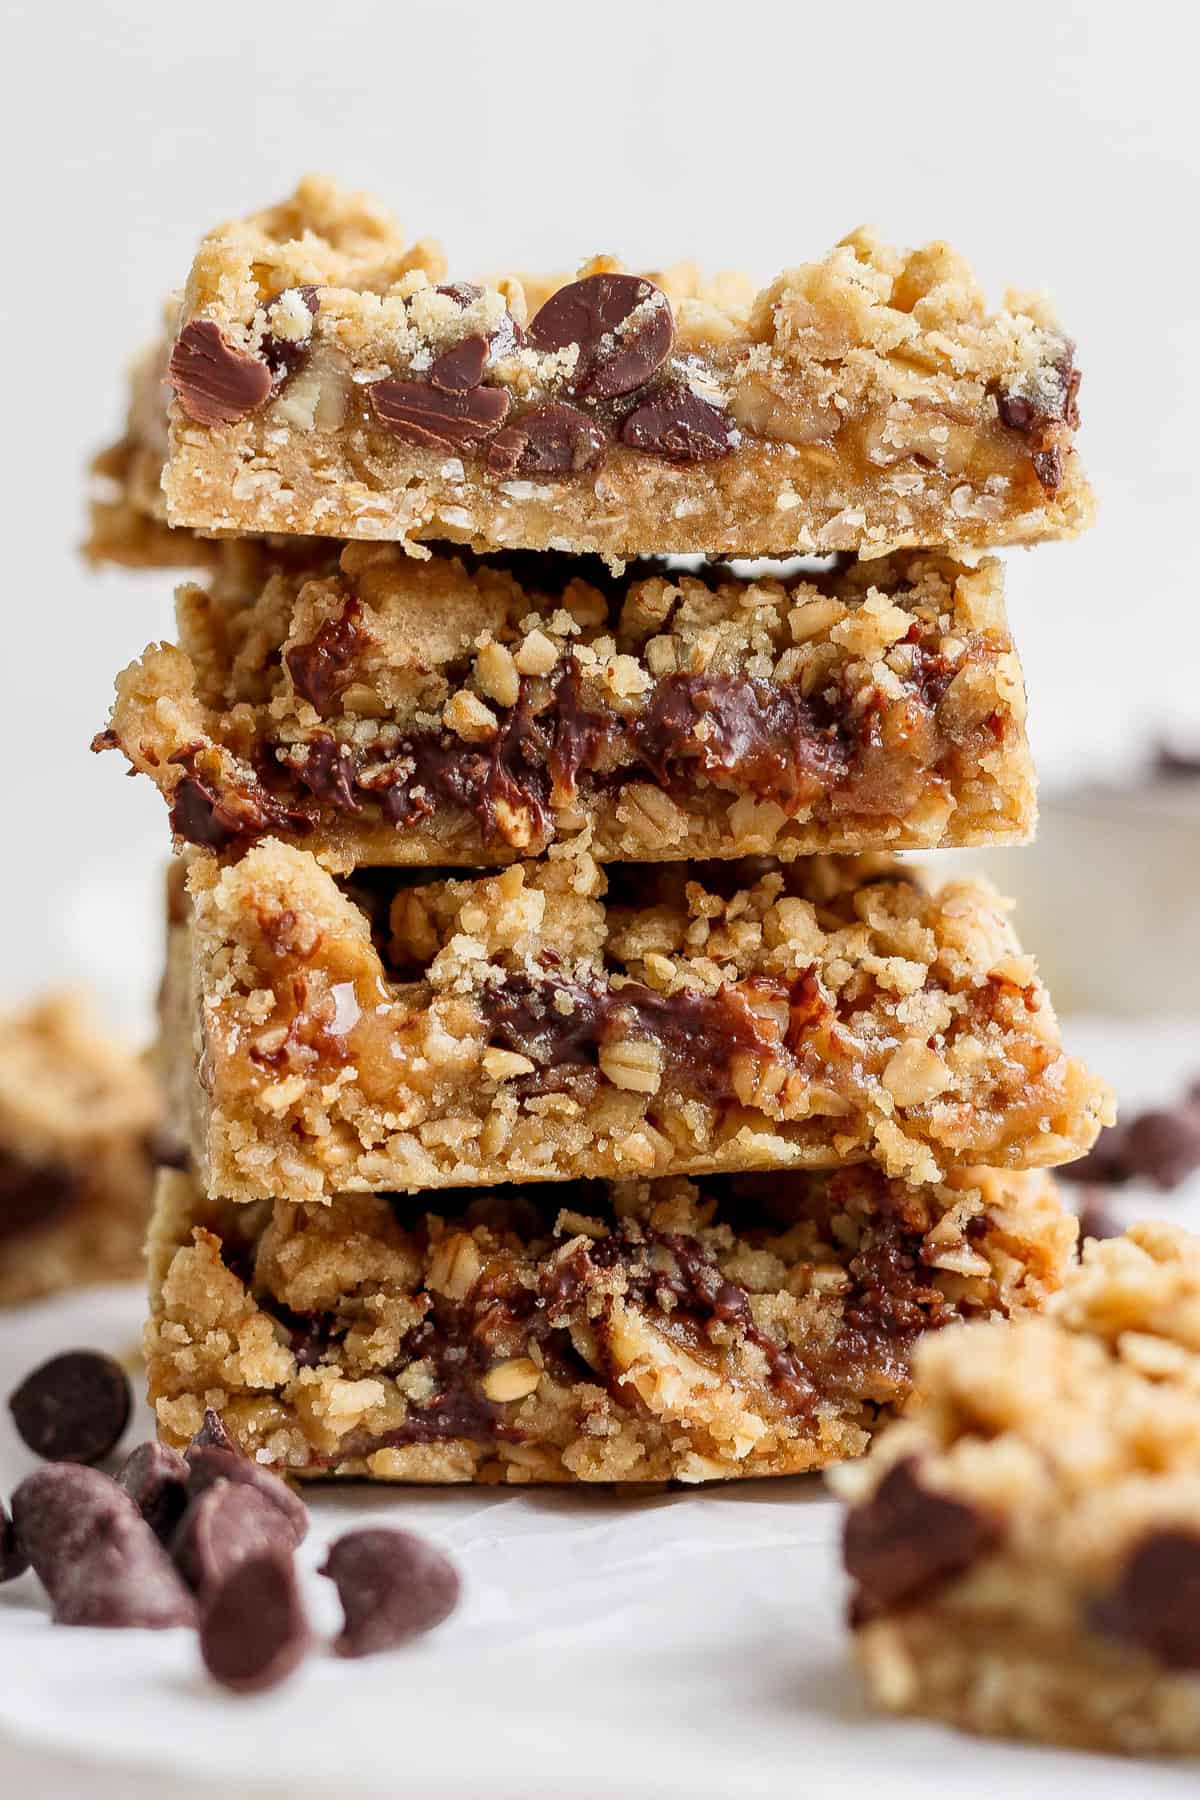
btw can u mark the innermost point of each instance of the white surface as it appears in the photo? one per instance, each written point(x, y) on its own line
point(1055, 145)
point(670, 1647)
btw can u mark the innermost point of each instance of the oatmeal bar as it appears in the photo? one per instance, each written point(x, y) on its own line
point(555, 1020)
point(637, 1331)
point(327, 379)
point(78, 1116)
point(378, 710)
point(1026, 1550)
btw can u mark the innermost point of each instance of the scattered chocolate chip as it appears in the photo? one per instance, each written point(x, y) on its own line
point(283, 356)
point(227, 1524)
point(254, 1632)
point(907, 1539)
point(1163, 1145)
point(209, 1463)
point(555, 439)
point(507, 336)
point(622, 325)
point(1156, 1602)
point(73, 1408)
point(418, 414)
point(216, 384)
point(156, 1479)
point(323, 665)
point(392, 1585)
point(213, 1434)
point(13, 1561)
point(33, 1197)
point(1176, 764)
point(94, 1554)
point(461, 366)
point(676, 423)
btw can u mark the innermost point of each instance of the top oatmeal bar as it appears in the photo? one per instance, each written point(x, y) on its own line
point(328, 380)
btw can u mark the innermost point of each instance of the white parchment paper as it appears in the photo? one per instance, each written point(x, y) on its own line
point(677, 1644)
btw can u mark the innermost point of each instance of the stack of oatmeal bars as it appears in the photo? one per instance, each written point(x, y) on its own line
point(573, 1084)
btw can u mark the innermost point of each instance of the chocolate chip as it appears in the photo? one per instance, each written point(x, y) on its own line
point(94, 1554)
point(1163, 1145)
point(327, 770)
point(216, 384)
point(32, 1197)
point(555, 439)
point(227, 1524)
point(209, 1463)
point(908, 1539)
point(676, 423)
point(254, 1631)
point(13, 1561)
point(233, 817)
point(622, 325)
point(156, 1479)
point(1176, 764)
point(1156, 1602)
point(73, 1408)
point(323, 665)
point(461, 366)
point(213, 1434)
point(418, 414)
point(507, 336)
point(1096, 1219)
point(392, 1585)
point(283, 356)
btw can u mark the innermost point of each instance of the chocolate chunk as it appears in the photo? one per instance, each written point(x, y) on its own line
point(73, 1408)
point(283, 356)
point(216, 384)
point(908, 1539)
point(213, 1435)
point(676, 423)
point(1096, 1218)
point(622, 325)
point(13, 1560)
point(418, 414)
point(1156, 1603)
point(555, 439)
point(33, 1197)
point(156, 1479)
point(254, 1631)
point(323, 666)
point(94, 1554)
point(209, 1463)
point(461, 366)
point(226, 1524)
point(759, 735)
point(392, 1585)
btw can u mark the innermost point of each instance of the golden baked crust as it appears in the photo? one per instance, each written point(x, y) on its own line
point(639, 1332)
point(556, 1021)
point(1061, 1456)
point(376, 710)
point(77, 1119)
point(864, 402)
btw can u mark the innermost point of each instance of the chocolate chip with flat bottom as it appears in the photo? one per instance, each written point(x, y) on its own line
point(94, 1554)
point(677, 424)
point(555, 439)
point(461, 366)
point(908, 1538)
point(156, 1479)
point(254, 1631)
point(225, 1525)
point(215, 383)
point(73, 1408)
point(420, 415)
point(209, 1463)
point(393, 1586)
point(213, 1434)
point(623, 328)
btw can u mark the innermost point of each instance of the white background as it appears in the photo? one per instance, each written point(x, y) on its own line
point(1056, 145)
